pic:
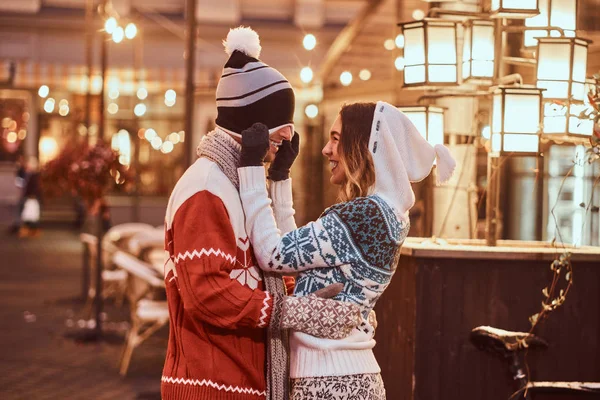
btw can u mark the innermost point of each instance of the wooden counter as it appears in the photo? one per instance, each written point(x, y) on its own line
point(441, 291)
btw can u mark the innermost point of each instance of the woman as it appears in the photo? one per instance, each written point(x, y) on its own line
point(374, 152)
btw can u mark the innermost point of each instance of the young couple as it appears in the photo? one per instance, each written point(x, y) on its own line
point(232, 242)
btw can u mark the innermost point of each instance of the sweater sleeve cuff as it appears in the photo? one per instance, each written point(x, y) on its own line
point(252, 179)
point(281, 192)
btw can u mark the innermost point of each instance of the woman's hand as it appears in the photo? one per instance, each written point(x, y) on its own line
point(255, 145)
point(285, 157)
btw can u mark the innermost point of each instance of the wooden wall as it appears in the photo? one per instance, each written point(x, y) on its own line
point(429, 309)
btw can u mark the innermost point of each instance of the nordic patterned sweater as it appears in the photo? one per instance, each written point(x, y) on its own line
point(356, 243)
point(215, 292)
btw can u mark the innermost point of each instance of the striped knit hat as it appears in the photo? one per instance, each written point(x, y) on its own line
point(250, 91)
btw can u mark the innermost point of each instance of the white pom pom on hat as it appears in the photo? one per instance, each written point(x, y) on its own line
point(243, 39)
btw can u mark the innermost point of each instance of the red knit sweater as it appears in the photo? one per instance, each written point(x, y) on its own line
point(216, 302)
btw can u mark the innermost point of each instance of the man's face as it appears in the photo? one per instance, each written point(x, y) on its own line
point(276, 138)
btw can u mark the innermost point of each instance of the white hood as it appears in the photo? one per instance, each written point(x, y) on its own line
point(401, 155)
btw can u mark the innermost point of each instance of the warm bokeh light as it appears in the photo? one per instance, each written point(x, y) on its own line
point(142, 93)
point(400, 41)
point(486, 132)
point(311, 111)
point(166, 147)
point(399, 63)
point(139, 109)
point(346, 78)
point(170, 95)
point(118, 35)
point(130, 30)
point(150, 134)
point(389, 44)
point(113, 93)
point(22, 134)
point(418, 14)
point(11, 137)
point(306, 74)
point(63, 111)
point(364, 74)
point(174, 138)
point(156, 143)
point(49, 105)
point(43, 91)
point(110, 25)
point(48, 149)
point(113, 108)
point(309, 42)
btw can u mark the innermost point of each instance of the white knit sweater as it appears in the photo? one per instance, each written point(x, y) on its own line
point(356, 243)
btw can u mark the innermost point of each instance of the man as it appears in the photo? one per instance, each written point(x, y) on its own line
point(221, 305)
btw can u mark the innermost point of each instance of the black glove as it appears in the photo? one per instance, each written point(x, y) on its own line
point(255, 145)
point(285, 157)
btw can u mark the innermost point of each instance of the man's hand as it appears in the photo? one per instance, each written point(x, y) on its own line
point(285, 157)
point(255, 145)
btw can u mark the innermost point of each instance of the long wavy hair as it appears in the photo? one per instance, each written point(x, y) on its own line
point(355, 157)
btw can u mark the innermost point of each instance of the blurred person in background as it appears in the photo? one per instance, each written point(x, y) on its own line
point(20, 184)
point(32, 198)
point(228, 320)
point(374, 153)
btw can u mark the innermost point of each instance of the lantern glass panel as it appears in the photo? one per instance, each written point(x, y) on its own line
point(554, 61)
point(496, 142)
point(578, 91)
point(414, 46)
point(497, 114)
point(540, 20)
point(414, 74)
point(521, 143)
point(564, 15)
point(555, 118)
point(516, 4)
point(435, 134)
point(483, 51)
point(579, 63)
point(419, 120)
point(441, 45)
point(442, 73)
point(522, 113)
point(466, 66)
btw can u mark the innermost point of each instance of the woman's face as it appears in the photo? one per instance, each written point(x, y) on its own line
point(330, 151)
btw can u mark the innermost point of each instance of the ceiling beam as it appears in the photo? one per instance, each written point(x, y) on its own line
point(345, 38)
